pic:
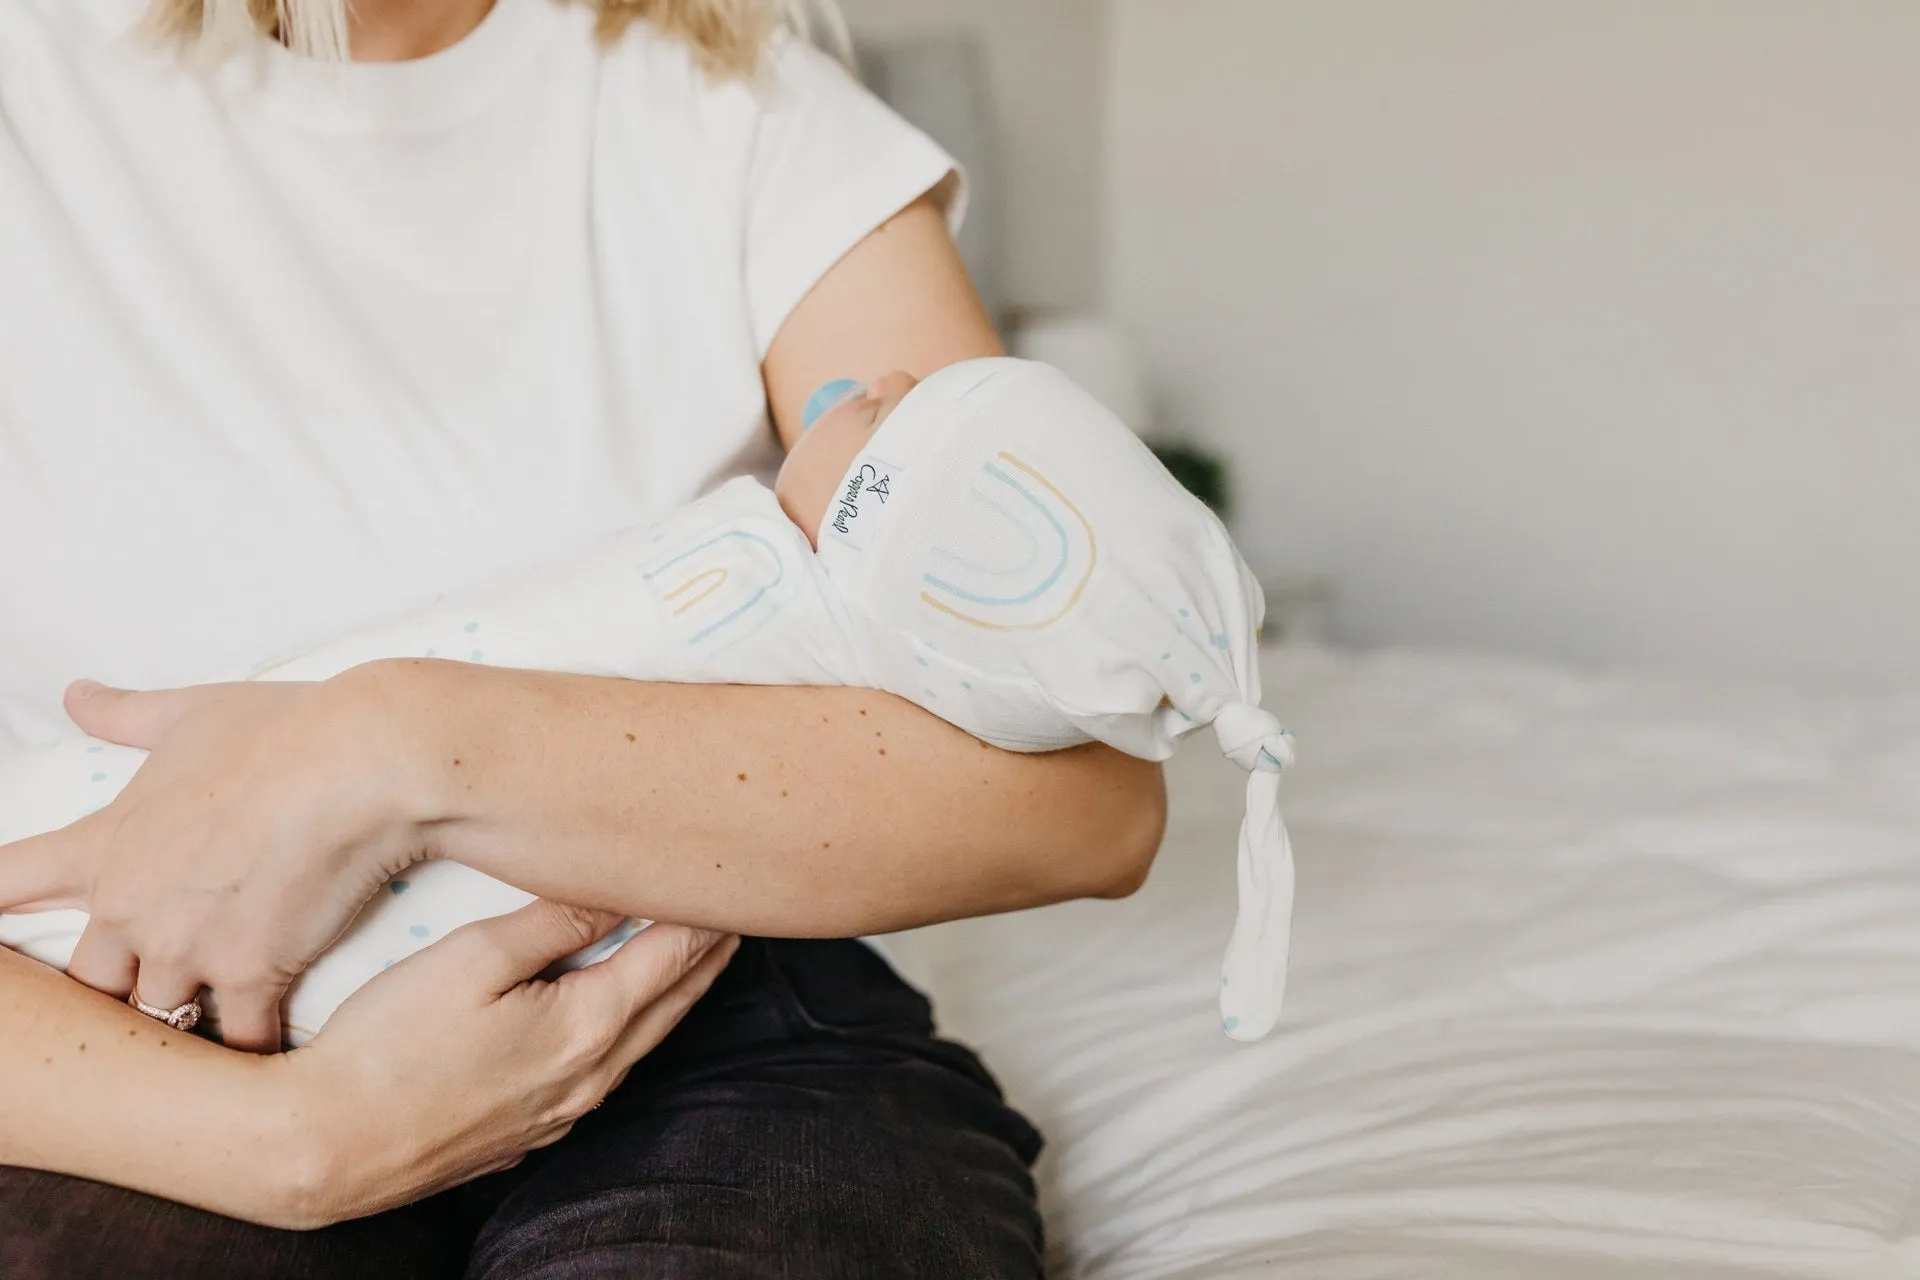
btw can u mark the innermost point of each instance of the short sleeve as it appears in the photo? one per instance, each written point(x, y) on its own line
point(830, 163)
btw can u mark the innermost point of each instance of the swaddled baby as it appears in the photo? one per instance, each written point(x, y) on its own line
point(988, 543)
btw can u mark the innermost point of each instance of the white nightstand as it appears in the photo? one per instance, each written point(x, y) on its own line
point(1299, 609)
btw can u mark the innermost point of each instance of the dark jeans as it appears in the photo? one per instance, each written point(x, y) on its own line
point(802, 1122)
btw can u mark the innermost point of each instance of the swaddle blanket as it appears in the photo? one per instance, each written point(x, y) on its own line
point(1004, 553)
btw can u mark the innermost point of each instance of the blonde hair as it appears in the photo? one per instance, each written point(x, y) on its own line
point(728, 36)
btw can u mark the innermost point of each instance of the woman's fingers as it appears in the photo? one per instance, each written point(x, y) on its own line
point(128, 717)
point(508, 950)
point(103, 961)
point(45, 872)
point(165, 986)
point(644, 970)
point(249, 1018)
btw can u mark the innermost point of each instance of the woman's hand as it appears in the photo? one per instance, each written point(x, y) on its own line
point(264, 818)
point(458, 1061)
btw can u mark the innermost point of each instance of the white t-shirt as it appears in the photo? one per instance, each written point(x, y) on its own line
point(286, 347)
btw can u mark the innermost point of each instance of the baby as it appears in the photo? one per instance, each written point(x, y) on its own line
point(988, 543)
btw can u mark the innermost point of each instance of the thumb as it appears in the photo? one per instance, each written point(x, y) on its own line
point(508, 950)
point(125, 716)
point(48, 872)
point(648, 966)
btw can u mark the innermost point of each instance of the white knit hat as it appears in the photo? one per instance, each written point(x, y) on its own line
point(1013, 559)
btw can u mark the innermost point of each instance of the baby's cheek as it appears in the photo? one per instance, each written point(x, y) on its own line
point(806, 484)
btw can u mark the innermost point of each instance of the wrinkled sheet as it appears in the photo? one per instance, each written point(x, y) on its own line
point(1594, 976)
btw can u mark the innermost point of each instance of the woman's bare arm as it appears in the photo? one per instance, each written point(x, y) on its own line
point(97, 1090)
point(785, 812)
point(452, 1064)
point(900, 300)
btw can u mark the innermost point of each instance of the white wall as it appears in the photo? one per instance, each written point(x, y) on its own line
point(1586, 327)
point(1047, 62)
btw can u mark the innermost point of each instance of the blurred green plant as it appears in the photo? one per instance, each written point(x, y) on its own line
point(1201, 471)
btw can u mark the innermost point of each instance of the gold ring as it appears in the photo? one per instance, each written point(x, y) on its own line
point(185, 1018)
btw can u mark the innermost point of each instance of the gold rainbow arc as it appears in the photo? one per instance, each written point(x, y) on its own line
point(1093, 559)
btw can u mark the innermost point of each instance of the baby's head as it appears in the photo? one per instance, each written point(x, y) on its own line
point(848, 415)
point(995, 515)
point(1007, 554)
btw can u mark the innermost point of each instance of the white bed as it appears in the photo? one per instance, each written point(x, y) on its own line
point(1594, 976)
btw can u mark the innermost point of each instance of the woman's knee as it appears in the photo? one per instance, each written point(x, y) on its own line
point(818, 1171)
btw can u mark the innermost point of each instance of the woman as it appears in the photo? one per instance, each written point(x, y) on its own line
point(287, 344)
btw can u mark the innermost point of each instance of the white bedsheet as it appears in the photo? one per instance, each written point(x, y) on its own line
point(1594, 976)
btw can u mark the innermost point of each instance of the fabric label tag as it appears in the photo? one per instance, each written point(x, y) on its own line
point(861, 504)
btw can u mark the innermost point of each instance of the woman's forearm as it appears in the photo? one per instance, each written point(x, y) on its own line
point(96, 1090)
point(778, 811)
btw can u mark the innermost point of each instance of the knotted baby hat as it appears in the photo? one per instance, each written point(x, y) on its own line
point(1011, 557)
